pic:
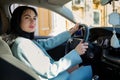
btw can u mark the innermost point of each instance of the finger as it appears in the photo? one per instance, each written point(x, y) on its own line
point(81, 41)
point(86, 44)
point(85, 47)
point(84, 50)
point(77, 24)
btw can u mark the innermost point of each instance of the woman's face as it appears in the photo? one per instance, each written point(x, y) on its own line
point(28, 21)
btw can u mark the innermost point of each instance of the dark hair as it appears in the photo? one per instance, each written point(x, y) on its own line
point(16, 19)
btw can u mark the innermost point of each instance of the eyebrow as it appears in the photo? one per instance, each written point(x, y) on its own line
point(29, 15)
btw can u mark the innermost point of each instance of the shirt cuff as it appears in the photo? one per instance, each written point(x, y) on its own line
point(74, 57)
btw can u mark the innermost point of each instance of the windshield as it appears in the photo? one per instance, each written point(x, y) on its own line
point(92, 13)
point(89, 12)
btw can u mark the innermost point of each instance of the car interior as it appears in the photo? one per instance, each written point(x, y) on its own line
point(10, 67)
point(104, 58)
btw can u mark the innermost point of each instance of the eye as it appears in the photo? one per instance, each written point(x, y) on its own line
point(26, 17)
point(34, 18)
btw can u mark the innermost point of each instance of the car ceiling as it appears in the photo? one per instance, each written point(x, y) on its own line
point(54, 5)
point(53, 2)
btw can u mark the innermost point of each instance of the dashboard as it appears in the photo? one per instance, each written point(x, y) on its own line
point(109, 56)
point(104, 59)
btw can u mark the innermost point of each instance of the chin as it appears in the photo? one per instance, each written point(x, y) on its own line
point(32, 31)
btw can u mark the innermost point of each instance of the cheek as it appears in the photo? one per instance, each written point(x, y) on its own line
point(24, 25)
point(35, 23)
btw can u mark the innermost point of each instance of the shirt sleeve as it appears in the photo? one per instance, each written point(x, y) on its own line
point(40, 63)
point(54, 41)
point(69, 60)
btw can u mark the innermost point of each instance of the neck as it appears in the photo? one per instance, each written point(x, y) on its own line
point(26, 34)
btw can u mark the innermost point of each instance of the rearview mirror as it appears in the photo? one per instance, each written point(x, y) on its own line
point(104, 2)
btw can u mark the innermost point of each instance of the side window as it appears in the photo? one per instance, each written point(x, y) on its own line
point(48, 22)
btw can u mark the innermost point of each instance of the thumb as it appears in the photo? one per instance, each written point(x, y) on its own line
point(81, 41)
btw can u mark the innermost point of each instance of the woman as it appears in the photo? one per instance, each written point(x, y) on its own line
point(33, 52)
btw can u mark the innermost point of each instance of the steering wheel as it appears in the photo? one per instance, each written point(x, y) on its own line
point(82, 33)
point(85, 32)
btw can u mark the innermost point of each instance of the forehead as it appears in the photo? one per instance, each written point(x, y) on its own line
point(29, 12)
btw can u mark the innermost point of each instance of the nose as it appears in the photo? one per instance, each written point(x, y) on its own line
point(32, 21)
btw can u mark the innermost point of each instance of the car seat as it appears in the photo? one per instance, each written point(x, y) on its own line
point(10, 67)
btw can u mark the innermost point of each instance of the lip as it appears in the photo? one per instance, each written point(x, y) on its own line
point(32, 27)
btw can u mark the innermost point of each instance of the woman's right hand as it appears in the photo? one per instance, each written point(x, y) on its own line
point(74, 29)
point(81, 48)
